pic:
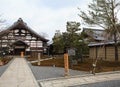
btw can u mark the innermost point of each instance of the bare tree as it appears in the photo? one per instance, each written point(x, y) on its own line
point(104, 13)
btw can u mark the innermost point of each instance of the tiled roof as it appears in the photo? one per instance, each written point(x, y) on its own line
point(101, 43)
point(96, 34)
point(22, 24)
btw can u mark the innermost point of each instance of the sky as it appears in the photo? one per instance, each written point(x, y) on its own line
point(43, 16)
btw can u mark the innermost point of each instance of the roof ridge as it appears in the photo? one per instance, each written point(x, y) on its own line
point(20, 21)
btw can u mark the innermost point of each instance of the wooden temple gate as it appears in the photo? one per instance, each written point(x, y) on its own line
point(20, 38)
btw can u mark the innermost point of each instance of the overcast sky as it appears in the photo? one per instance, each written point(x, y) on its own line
point(42, 15)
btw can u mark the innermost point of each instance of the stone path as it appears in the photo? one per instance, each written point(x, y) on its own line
point(18, 74)
point(78, 81)
point(111, 83)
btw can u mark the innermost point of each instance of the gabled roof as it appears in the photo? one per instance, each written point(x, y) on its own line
point(101, 43)
point(96, 34)
point(21, 24)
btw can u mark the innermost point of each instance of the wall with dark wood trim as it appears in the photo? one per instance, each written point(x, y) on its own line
point(103, 52)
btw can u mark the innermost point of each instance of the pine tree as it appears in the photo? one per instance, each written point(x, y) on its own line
point(104, 13)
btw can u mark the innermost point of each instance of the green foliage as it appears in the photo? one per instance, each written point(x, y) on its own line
point(70, 39)
point(104, 13)
point(58, 42)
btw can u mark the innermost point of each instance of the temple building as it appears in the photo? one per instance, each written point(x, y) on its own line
point(20, 38)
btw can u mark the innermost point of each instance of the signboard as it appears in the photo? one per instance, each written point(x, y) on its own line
point(18, 47)
point(71, 52)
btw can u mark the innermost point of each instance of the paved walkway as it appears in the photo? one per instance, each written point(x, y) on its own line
point(18, 74)
point(110, 83)
point(77, 81)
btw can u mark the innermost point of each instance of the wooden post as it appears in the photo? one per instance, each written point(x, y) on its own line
point(66, 64)
point(22, 54)
point(39, 58)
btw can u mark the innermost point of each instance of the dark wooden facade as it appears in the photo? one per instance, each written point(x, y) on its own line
point(20, 38)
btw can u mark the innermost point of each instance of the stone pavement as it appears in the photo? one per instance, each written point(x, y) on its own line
point(3, 68)
point(77, 81)
point(111, 83)
point(18, 74)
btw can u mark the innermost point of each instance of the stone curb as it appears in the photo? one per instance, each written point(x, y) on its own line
point(76, 76)
point(77, 80)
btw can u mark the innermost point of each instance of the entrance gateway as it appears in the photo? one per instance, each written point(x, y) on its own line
point(19, 46)
point(20, 38)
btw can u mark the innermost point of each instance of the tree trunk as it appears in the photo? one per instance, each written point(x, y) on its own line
point(116, 48)
point(116, 52)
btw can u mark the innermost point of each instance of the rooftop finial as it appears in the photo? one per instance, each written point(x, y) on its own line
point(20, 20)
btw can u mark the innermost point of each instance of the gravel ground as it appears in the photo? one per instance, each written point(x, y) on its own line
point(46, 72)
point(112, 83)
point(3, 68)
